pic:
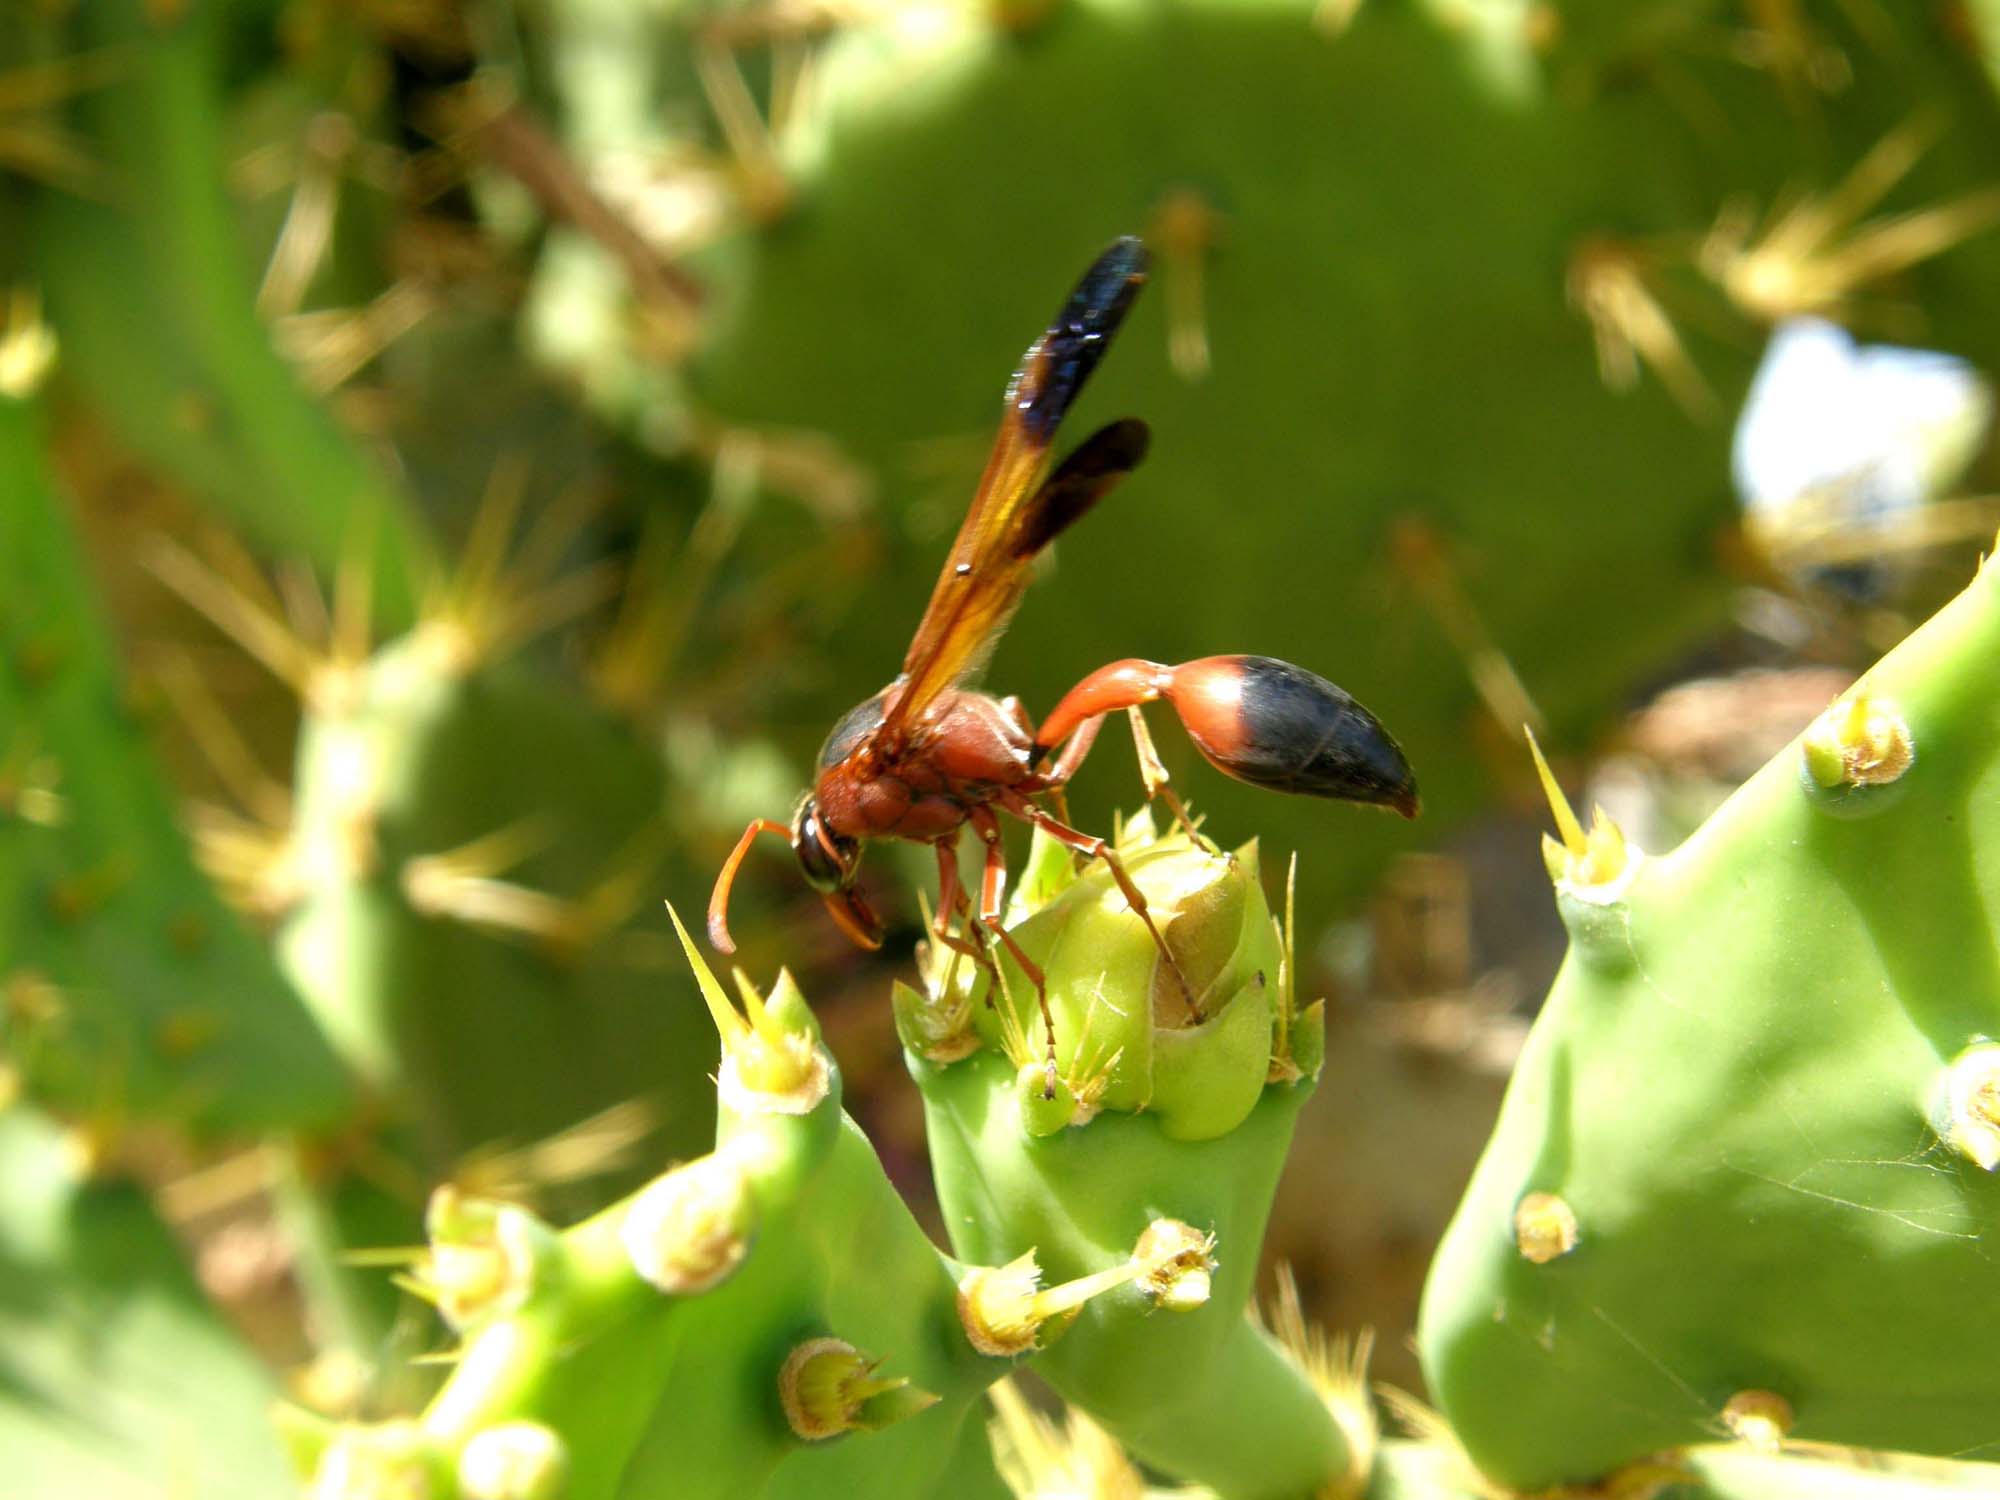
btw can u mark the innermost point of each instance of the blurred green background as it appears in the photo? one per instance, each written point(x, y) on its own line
point(456, 461)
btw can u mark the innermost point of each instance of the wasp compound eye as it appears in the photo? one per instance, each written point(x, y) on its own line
point(827, 859)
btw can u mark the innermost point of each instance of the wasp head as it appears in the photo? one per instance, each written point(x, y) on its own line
point(829, 861)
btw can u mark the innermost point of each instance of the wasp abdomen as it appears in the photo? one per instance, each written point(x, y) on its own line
point(1278, 726)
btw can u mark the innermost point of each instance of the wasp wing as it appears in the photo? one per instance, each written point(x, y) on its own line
point(1013, 517)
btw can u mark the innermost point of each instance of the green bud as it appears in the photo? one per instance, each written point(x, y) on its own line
point(936, 1026)
point(787, 1005)
point(828, 1387)
point(1191, 1041)
point(1853, 757)
point(1309, 1040)
point(1207, 1080)
point(688, 1230)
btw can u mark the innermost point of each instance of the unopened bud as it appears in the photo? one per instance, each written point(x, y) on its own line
point(484, 1258)
point(1048, 1104)
point(1860, 741)
point(938, 1026)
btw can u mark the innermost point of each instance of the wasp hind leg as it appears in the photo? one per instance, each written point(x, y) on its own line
point(1096, 848)
point(1153, 777)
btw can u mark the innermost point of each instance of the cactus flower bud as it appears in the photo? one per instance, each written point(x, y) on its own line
point(1127, 1037)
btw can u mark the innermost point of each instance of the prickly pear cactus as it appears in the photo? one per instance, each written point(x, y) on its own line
point(1744, 1177)
point(715, 1333)
point(1140, 1115)
point(459, 869)
point(769, 1318)
point(469, 846)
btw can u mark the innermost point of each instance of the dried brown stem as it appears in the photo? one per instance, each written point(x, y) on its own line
point(510, 137)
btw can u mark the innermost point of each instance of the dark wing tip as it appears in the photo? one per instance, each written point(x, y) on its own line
point(1126, 442)
point(1103, 294)
point(1124, 261)
point(1080, 481)
point(1062, 359)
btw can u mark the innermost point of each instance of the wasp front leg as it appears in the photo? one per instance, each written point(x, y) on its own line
point(952, 901)
point(992, 891)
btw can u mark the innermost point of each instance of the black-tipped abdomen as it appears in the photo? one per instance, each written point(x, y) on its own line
point(1278, 726)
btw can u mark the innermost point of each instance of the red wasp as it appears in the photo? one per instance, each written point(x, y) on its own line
point(925, 756)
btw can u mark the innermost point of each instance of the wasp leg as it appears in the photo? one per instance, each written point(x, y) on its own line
point(1052, 781)
point(1080, 739)
point(992, 887)
point(1096, 848)
point(952, 901)
point(1153, 777)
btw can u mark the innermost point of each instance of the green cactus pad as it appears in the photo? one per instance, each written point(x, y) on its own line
point(489, 1033)
point(117, 1380)
point(130, 989)
point(1739, 1094)
point(668, 1382)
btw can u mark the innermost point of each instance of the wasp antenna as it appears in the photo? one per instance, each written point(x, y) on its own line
point(718, 901)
